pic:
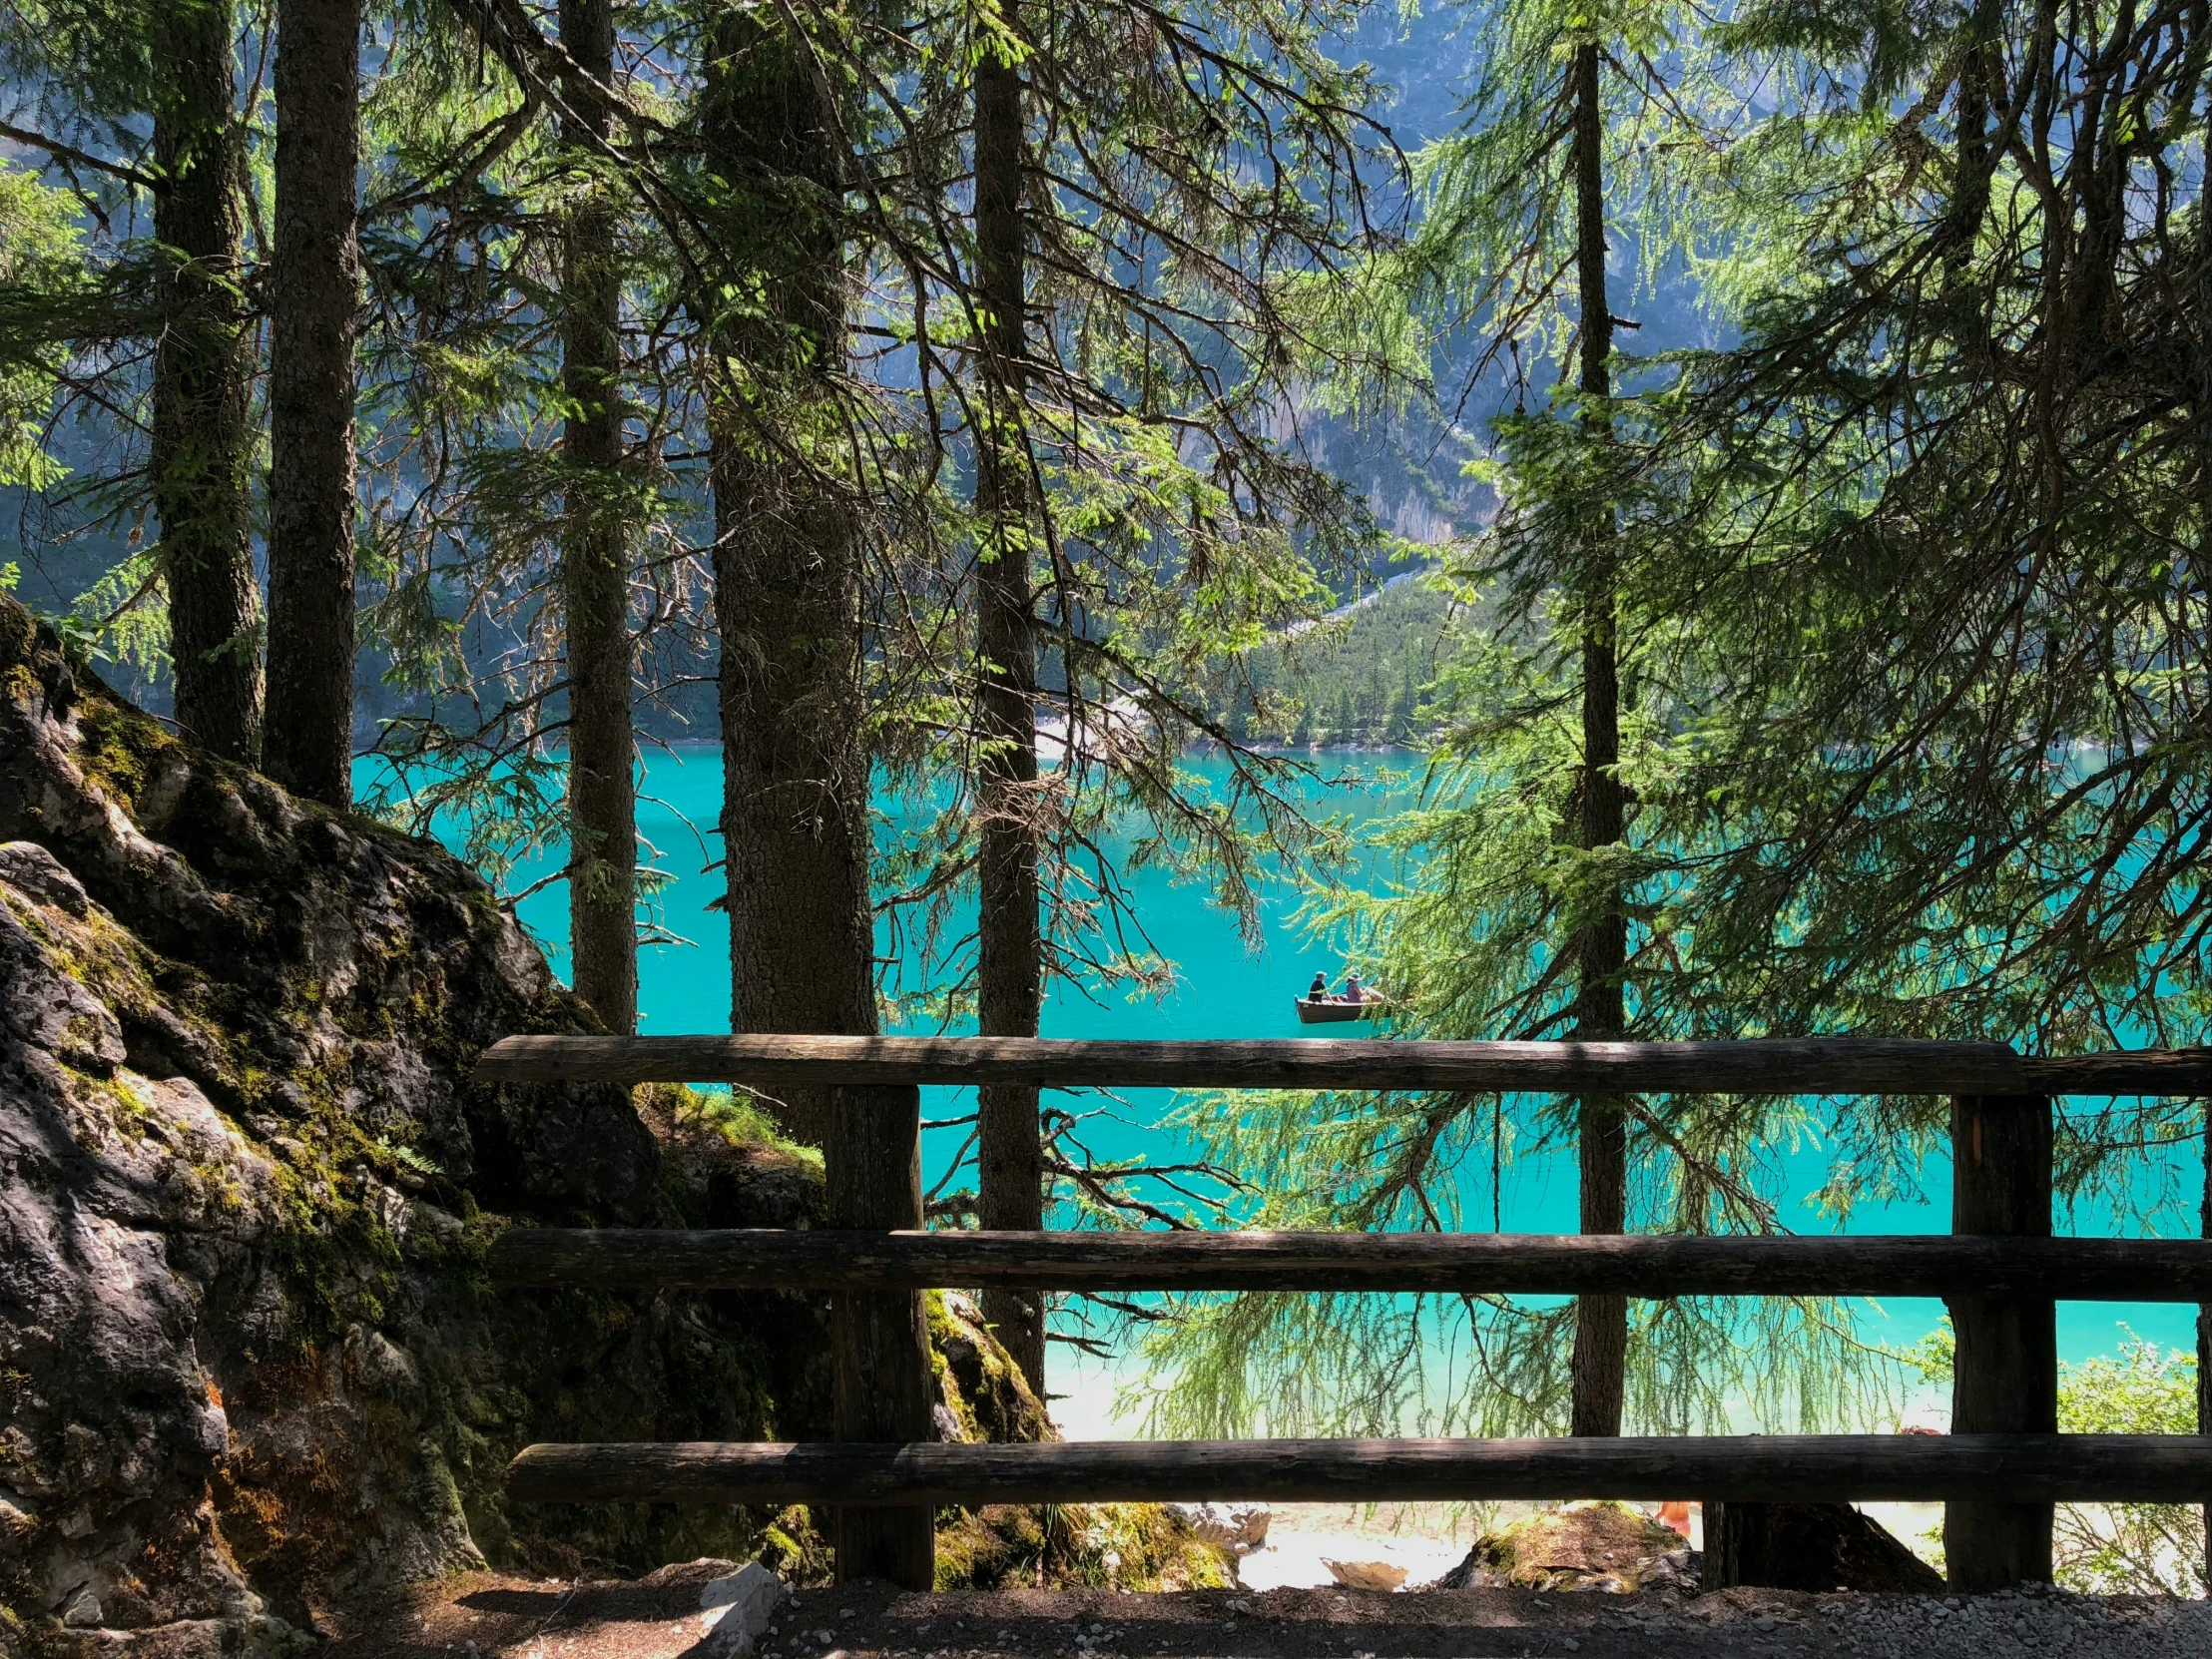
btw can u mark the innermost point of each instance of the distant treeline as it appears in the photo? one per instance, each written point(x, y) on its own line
point(1362, 676)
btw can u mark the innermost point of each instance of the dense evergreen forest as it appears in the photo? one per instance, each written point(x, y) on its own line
point(1793, 426)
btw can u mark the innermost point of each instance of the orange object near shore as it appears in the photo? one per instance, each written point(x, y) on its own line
point(1675, 1515)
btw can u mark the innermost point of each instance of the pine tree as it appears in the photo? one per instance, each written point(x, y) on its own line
point(314, 298)
point(1009, 970)
point(788, 549)
point(201, 442)
point(1120, 279)
point(40, 263)
point(1961, 410)
point(1598, 944)
point(594, 566)
point(1399, 731)
point(1530, 864)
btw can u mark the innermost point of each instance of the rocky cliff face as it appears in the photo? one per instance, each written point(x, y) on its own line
point(248, 1360)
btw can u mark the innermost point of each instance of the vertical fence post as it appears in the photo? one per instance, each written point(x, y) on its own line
point(2006, 1380)
point(880, 1339)
point(1721, 1566)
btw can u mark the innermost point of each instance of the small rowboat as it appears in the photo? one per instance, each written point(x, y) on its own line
point(1327, 1011)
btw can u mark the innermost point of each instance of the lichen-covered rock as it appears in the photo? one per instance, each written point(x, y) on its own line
point(982, 1396)
point(249, 1361)
point(1578, 1546)
point(1129, 1546)
point(981, 1392)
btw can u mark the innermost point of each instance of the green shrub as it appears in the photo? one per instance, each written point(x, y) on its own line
point(2115, 1548)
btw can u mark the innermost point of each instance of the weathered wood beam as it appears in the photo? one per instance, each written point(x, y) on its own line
point(2080, 1270)
point(2168, 1469)
point(2151, 1071)
point(1822, 1065)
point(1842, 1065)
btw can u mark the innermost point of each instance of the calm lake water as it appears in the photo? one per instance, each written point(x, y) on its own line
point(1222, 989)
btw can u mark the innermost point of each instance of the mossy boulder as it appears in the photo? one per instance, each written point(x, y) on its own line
point(1578, 1546)
point(982, 1396)
point(251, 1366)
point(1129, 1546)
point(981, 1392)
point(249, 1362)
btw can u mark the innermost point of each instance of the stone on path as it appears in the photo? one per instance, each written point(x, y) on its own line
point(1366, 1575)
point(1238, 1527)
point(737, 1608)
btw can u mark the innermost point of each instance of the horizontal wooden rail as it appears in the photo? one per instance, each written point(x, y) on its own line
point(2083, 1269)
point(2024, 1468)
point(1827, 1065)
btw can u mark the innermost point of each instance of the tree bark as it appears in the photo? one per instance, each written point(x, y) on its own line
point(1009, 967)
point(595, 589)
point(1599, 946)
point(307, 744)
point(200, 442)
point(794, 819)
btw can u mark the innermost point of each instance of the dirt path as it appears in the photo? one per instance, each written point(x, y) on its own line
point(485, 1616)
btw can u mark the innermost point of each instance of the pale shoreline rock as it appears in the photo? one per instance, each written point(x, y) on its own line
point(736, 1609)
point(1238, 1527)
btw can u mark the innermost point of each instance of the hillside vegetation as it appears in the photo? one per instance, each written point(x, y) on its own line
point(1360, 675)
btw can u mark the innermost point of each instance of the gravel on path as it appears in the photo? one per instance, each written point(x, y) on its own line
point(488, 1616)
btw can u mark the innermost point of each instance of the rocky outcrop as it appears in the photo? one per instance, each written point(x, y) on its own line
point(249, 1361)
point(981, 1392)
point(1577, 1546)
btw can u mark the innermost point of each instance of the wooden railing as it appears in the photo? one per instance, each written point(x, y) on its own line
point(1999, 1471)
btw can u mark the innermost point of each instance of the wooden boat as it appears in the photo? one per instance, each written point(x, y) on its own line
point(1327, 1011)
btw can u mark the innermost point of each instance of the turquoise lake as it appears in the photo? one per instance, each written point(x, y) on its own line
point(1222, 989)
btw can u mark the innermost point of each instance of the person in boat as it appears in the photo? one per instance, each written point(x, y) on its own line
point(1353, 994)
point(1318, 992)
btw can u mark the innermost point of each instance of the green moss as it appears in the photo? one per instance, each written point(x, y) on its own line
point(794, 1547)
point(982, 1386)
point(1130, 1546)
point(736, 1116)
point(1576, 1546)
point(115, 744)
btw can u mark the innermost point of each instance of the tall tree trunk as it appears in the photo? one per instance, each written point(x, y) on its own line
point(1009, 970)
point(201, 444)
point(307, 744)
point(595, 568)
point(2204, 700)
point(1600, 945)
point(794, 807)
